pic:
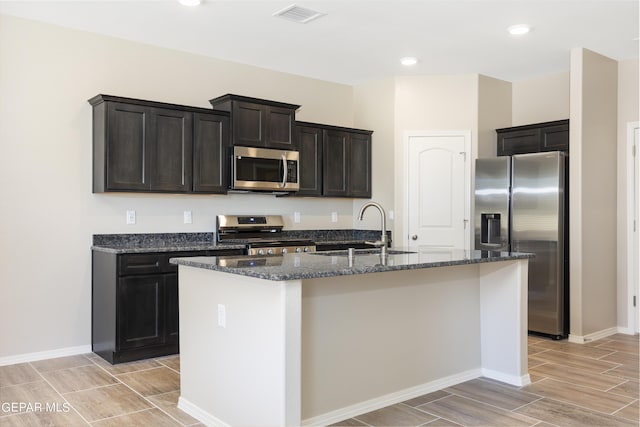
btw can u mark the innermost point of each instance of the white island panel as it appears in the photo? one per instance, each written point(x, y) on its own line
point(316, 350)
point(246, 373)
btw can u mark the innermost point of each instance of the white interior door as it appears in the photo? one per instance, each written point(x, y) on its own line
point(438, 189)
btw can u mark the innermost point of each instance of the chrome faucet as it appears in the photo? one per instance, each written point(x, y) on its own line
point(382, 243)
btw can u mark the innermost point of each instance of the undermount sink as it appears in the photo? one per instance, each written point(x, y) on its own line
point(362, 252)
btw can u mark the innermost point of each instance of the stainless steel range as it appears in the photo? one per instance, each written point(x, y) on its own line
point(262, 234)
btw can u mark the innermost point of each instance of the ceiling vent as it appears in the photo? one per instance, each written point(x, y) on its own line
point(298, 14)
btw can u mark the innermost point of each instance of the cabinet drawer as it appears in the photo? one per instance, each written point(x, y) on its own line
point(142, 264)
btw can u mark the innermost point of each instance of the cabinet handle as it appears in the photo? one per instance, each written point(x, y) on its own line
point(284, 169)
point(414, 237)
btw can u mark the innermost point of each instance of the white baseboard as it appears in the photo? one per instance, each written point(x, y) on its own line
point(625, 330)
point(203, 416)
point(390, 399)
point(583, 339)
point(349, 411)
point(520, 381)
point(41, 355)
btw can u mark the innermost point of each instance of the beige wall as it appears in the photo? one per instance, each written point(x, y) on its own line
point(48, 211)
point(494, 112)
point(593, 174)
point(374, 110)
point(541, 99)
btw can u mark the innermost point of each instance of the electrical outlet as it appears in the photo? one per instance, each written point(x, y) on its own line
point(187, 217)
point(296, 217)
point(222, 315)
point(131, 217)
point(334, 216)
point(391, 214)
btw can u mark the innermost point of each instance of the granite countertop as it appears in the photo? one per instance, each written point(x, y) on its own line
point(158, 242)
point(336, 263)
point(178, 242)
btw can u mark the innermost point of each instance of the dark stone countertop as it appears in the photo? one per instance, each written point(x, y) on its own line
point(336, 263)
point(158, 242)
point(179, 242)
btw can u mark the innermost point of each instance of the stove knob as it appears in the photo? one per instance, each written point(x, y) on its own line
point(260, 251)
point(270, 251)
point(298, 250)
point(284, 250)
point(306, 249)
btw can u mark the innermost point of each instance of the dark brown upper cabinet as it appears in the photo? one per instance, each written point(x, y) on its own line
point(334, 161)
point(534, 138)
point(146, 146)
point(310, 148)
point(259, 122)
point(211, 162)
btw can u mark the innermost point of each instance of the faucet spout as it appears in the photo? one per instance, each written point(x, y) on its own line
point(383, 225)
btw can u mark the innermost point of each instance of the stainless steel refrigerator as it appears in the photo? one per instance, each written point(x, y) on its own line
point(521, 205)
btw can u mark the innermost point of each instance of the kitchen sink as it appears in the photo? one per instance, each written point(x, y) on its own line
point(362, 252)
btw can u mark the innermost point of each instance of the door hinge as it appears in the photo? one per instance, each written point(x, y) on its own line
point(634, 300)
point(633, 150)
point(465, 221)
point(464, 154)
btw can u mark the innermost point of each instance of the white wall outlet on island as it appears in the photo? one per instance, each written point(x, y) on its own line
point(188, 219)
point(296, 217)
point(131, 217)
point(334, 216)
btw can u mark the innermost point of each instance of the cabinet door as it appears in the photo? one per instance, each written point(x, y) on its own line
point(555, 138)
point(518, 142)
point(170, 150)
point(211, 136)
point(140, 311)
point(248, 124)
point(172, 329)
point(127, 157)
point(279, 128)
point(359, 167)
point(335, 163)
point(309, 140)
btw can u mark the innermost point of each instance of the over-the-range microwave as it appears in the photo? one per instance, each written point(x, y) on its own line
point(264, 169)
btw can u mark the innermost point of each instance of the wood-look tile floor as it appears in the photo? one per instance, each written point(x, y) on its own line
point(594, 384)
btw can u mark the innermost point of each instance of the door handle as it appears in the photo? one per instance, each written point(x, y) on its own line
point(414, 237)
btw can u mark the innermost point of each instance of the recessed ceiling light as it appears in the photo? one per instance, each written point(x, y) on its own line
point(408, 61)
point(519, 29)
point(189, 2)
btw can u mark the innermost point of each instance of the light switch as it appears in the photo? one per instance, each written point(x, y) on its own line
point(296, 217)
point(187, 217)
point(131, 217)
point(334, 216)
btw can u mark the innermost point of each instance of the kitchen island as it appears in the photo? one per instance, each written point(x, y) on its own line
point(312, 339)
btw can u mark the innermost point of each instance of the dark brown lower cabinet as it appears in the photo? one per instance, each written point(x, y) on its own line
point(135, 304)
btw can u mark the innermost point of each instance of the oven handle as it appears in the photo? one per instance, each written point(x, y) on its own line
point(284, 168)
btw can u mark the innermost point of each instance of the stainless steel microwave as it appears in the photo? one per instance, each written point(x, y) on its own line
point(264, 169)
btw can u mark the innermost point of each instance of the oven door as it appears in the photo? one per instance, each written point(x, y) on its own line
point(264, 169)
